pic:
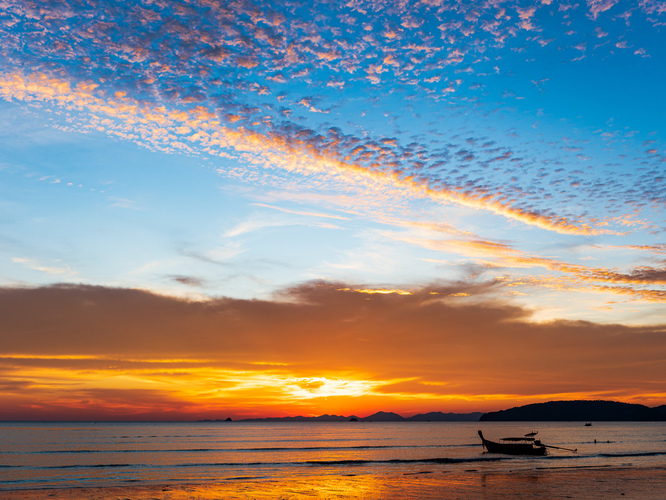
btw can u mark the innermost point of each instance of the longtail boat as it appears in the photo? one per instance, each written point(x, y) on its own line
point(526, 445)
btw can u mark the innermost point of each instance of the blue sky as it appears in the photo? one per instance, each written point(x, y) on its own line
point(534, 129)
point(205, 151)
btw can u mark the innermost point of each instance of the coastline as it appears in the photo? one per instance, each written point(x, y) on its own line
point(553, 483)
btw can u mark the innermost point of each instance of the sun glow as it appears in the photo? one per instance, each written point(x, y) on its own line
point(372, 291)
point(317, 387)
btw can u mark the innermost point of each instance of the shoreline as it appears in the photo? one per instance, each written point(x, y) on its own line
point(602, 482)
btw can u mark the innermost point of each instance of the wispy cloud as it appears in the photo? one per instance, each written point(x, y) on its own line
point(504, 255)
point(298, 212)
point(62, 270)
point(124, 203)
point(219, 255)
point(255, 223)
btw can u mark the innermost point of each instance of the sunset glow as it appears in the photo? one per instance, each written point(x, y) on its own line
point(252, 209)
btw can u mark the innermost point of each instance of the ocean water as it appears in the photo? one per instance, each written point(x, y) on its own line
point(75, 454)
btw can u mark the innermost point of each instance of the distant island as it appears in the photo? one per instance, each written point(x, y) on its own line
point(552, 411)
point(579, 411)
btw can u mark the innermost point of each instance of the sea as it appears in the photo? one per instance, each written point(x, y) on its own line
point(93, 454)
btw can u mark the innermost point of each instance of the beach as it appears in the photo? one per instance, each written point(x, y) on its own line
point(594, 482)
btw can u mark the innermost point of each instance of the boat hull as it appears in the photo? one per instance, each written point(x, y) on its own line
point(512, 448)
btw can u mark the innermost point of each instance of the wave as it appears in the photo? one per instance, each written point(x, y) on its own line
point(240, 450)
point(87, 466)
point(74, 452)
point(639, 454)
point(304, 463)
point(404, 461)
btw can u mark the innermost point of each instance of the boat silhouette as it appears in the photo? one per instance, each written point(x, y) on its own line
point(526, 445)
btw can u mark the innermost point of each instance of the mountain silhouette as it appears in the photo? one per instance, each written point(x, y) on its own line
point(383, 416)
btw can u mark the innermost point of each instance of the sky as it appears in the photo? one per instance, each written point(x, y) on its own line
point(244, 209)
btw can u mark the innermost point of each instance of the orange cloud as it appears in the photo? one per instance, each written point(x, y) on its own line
point(317, 348)
point(496, 254)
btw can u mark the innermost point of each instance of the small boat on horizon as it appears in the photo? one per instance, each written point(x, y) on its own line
point(526, 445)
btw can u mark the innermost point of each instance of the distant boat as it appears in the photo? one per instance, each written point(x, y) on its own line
point(588, 424)
point(526, 445)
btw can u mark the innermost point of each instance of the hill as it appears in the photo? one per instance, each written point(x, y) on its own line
point(321, 418)
point(383, 416)
point(562, 411)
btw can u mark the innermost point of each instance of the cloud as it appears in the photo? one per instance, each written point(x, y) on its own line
point(598, 6)
point(658, 248)
point(189, 280)
point(453, 341)
point(38, 266)
point(117, 76)
point(653, 6)
point(218, 256)
point(124, 203)
point(504, 255)
point(298, 212)
point(257, 223)
point(299, 152)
